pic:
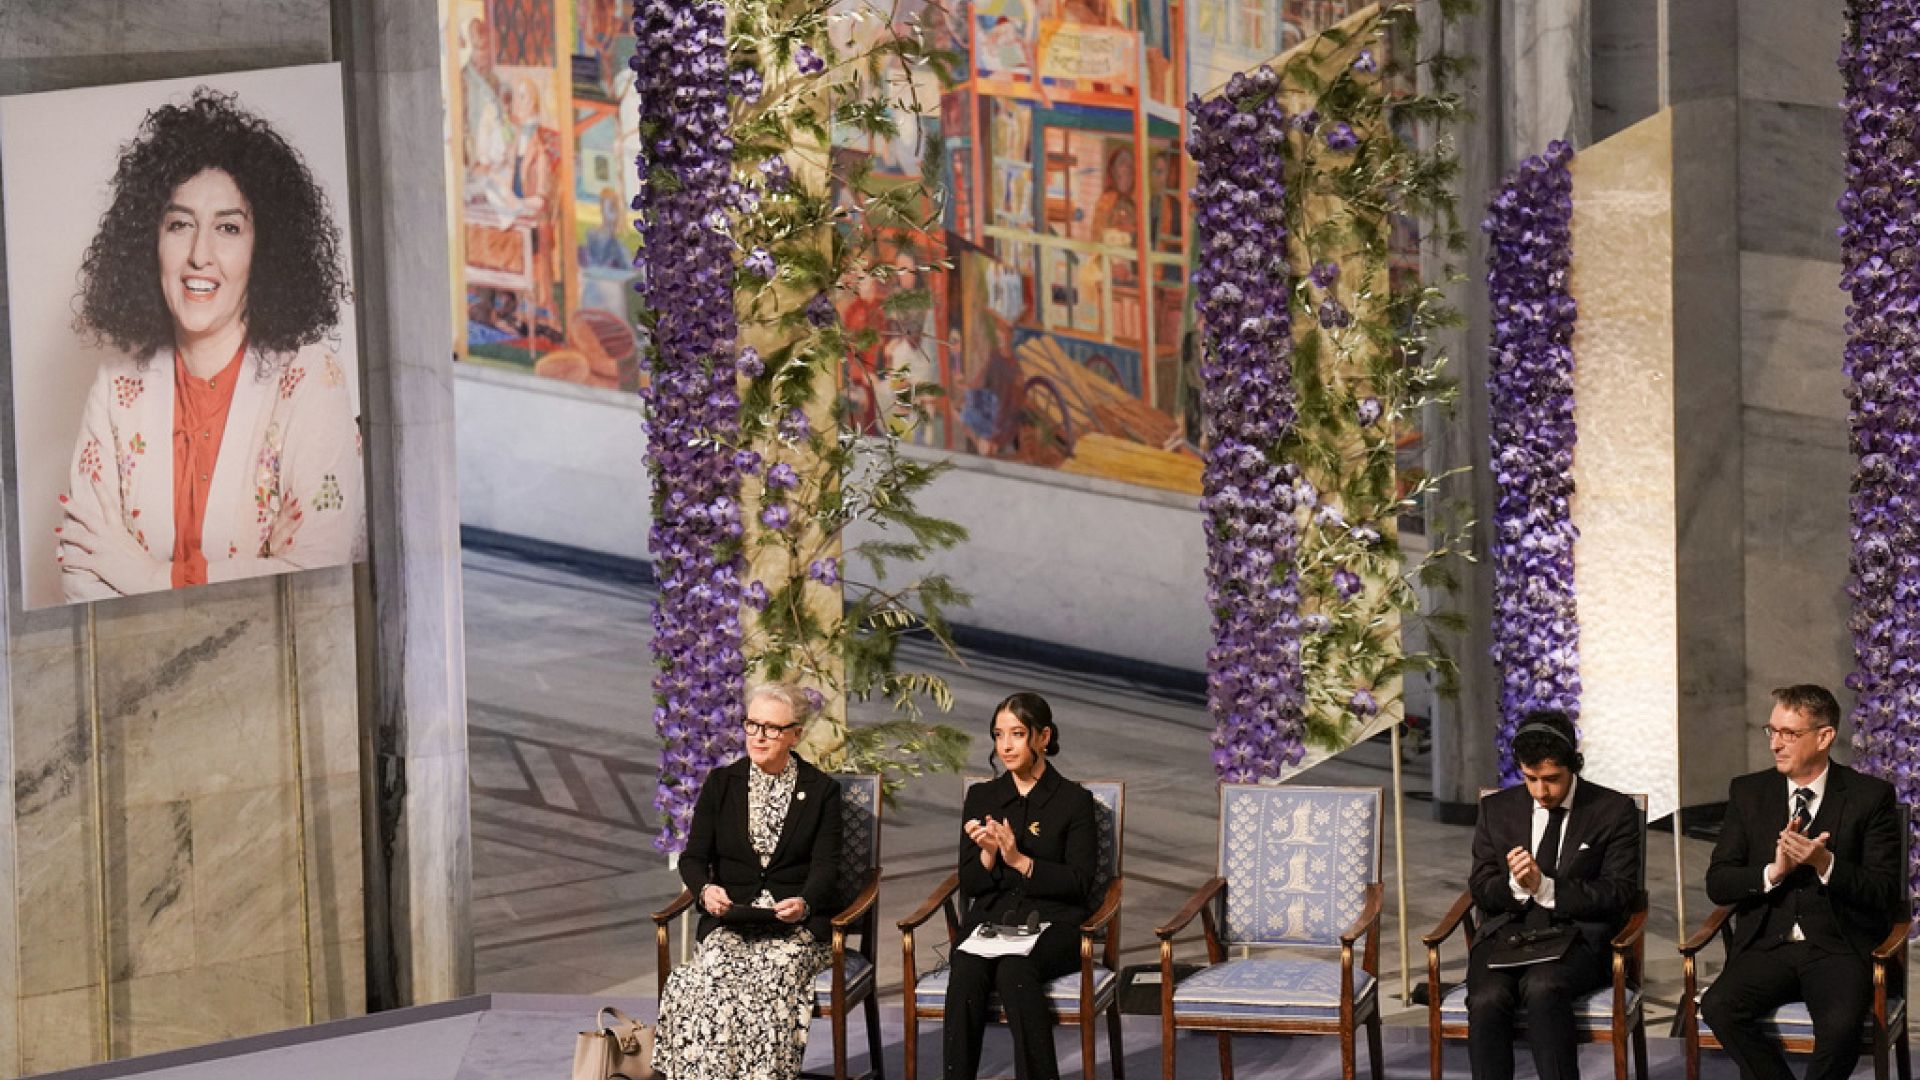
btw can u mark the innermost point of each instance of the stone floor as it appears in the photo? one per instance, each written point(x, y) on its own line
point(564, 763)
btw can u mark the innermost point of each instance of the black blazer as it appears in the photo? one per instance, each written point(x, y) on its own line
point(1856, 907)
point(1056, 827)
point(1598, 875)
point(806, 863)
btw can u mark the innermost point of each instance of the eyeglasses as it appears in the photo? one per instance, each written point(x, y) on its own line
point(771, 731)
point(1786, 734)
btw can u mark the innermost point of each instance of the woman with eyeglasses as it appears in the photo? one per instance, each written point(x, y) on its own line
point(762, 861)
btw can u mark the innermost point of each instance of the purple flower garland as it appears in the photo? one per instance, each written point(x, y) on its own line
point(1878, 240)
point(1241, 286)
point(1536, 635)
point(693, 406)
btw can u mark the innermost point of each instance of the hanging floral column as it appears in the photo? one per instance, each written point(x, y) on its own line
point(686, 255)
point(1241, 283)
point(1879, 239)
point(1536, 635)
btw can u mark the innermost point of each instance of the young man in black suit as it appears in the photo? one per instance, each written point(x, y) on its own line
point(1810, 858)
point(1554, 851)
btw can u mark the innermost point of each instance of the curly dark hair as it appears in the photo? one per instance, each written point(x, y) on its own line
point(297, 284)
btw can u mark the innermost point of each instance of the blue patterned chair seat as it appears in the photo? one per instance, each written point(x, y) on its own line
point(1591, 1012)
point(1793, 1019)
point(859, 974)
point(1295, 989)
point(1063, 992)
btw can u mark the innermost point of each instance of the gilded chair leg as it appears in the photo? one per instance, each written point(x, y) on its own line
point(1115, 1044)
point(840, 1042)
point(876, 1065)
point(1373, 1047)
point(1226, 1055)
point(1167, 1036)
point(1087, 1021)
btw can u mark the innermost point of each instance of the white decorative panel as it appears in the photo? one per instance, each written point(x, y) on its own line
point(1625, 565)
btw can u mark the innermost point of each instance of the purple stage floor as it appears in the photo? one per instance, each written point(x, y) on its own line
point(530, 1037)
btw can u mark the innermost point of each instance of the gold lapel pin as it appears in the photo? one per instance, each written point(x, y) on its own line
point(1034, 828)
point(801, 795)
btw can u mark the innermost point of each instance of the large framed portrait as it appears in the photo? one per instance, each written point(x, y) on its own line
point(185, 369)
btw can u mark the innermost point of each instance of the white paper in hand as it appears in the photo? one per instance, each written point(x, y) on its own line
point(1001, 943)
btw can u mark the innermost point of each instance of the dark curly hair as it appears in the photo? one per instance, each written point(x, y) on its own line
point(297, 284)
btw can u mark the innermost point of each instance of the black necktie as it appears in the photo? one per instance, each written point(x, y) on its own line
point(1803, 808)
point(1547, 855)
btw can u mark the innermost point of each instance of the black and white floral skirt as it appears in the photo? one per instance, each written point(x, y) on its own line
point(739, 1010)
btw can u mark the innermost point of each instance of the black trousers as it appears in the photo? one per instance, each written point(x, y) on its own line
point(1838, 990)
point(1546, 991)
point(1021, 982)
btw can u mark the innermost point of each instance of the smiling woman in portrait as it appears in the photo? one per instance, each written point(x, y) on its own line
point(220, 442)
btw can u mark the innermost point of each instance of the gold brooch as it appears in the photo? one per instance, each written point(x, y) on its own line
point(1034, 828)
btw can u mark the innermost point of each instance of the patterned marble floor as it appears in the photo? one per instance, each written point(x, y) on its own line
point(564, 762)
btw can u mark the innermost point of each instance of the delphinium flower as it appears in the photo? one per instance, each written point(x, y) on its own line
point(682, 81)
point(1254, 690)
point(1536, 636)
point(1879, 242)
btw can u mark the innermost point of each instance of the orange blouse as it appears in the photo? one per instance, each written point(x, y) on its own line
point(199, 420)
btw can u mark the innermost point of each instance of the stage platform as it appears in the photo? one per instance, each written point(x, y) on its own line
point(530, 1037)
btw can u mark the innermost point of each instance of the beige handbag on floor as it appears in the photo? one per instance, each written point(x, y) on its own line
point(622, 1050)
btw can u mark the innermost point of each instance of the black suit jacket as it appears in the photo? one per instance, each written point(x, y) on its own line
point(806, 863)
point(1598, 875)
point(1055, 826)
point(1855, 908)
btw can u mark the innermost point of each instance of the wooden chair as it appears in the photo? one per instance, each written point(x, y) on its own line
point(1299, 866)
point(1885, 1027)
point(1077, 998)
point(1615, 1013)
point(849, 978)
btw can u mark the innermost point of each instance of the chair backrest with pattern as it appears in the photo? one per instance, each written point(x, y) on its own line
point(1110, 812)
point(1297, 861)
point(859, 832)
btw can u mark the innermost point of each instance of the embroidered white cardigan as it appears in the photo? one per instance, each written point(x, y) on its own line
point(291, 445)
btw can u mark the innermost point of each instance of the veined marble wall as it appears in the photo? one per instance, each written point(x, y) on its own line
point(208, 821)
point(227, 863)
point(1794, 427)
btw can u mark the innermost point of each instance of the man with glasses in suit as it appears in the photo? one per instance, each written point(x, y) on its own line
point(1810, 858)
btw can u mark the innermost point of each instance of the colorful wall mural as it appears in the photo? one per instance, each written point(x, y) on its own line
point(1061, 337)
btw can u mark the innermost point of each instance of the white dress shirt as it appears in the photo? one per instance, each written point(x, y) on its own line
point(1538, 829)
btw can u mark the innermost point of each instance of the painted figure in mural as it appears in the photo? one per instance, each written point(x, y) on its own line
point(1556, 860)
point(487, 135)
point(991, 404)
point(1809, 858)
point(602, 248)
point(762, 861)
point(1029, 847)
point(536, 171)
point(221, 443)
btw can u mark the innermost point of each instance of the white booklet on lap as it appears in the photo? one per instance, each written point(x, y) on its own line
point(1001, 941)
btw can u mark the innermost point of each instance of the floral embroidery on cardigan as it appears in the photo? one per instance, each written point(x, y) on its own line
point(290, 380)
point(127, 389)
point(329, 497)
point(90, 460)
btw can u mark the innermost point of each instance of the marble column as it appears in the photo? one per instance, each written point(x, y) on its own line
point(1464, 758)
point(414, 749)
point(1545, 63)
